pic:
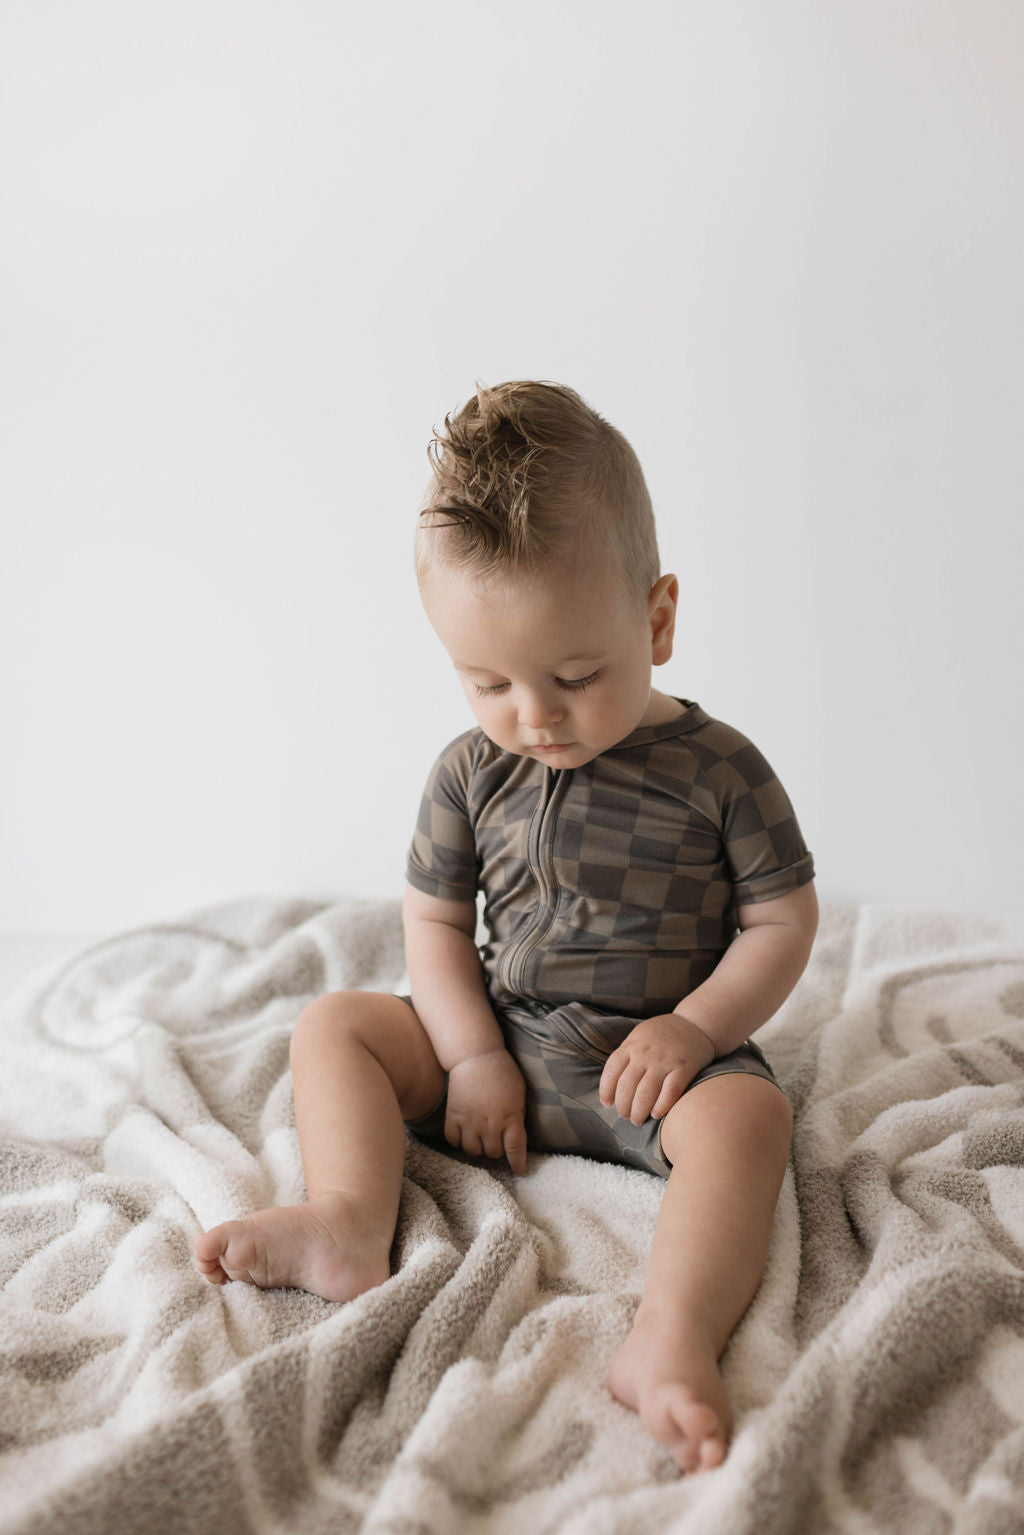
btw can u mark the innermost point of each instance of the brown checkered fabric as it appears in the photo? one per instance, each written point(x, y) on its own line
point(561, 1055)
point(614, 884)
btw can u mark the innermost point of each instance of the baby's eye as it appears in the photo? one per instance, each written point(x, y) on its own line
point(580, 683)
point(576, 686)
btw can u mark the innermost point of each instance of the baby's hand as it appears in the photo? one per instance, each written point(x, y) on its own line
point(486, 1103)
point(654, 1066)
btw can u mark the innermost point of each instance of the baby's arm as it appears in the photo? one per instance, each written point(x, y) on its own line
point(486, 1091)
point(658, 1059)
point(758, 970)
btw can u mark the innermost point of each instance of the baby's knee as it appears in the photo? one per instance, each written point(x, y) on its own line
point(333, 1014)
point(761, 1105)
point(749, 1112)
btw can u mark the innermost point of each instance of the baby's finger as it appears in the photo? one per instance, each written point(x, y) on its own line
point(645, 1096)
point(613, 1067)
point(515, 1148)
point(625, 1090)
point(672, 1090)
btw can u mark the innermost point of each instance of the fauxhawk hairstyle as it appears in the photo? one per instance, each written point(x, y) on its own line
point(527, 479)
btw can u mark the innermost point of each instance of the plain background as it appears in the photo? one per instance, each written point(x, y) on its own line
point(253, 253)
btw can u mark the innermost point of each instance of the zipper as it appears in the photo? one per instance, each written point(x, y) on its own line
point(545, 812)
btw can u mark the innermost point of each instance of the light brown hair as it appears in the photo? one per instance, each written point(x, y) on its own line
point(527, 479)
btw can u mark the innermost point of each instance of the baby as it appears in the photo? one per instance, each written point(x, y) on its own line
point(648, 899)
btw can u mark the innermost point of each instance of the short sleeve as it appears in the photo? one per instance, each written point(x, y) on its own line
point(442, 857)
point(764, 847)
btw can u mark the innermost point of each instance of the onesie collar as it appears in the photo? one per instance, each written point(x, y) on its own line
point(692, 718)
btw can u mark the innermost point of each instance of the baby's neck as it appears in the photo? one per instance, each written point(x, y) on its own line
point(661, 709)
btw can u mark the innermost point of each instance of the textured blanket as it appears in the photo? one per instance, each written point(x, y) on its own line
point(877, 1378)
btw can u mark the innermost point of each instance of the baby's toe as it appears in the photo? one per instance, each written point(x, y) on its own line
point(691, 1430)
point(223, 1248)
point(206, 1247)
point(712, 1453)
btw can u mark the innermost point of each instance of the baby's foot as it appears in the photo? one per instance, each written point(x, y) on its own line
point(668, 1373)
point(327, 1247)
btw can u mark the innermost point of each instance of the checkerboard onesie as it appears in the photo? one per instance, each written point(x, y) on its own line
point(610, 893)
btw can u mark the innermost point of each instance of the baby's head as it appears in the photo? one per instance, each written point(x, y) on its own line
point(537, 561)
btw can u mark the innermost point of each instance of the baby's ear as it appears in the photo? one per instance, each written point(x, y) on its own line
point(665, 588)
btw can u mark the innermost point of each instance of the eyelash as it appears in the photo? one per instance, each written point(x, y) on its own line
point(573, 687)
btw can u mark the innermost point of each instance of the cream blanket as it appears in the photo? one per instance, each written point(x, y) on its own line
point(877, 1378)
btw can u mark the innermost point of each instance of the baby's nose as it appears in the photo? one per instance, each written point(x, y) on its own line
point(535, 713)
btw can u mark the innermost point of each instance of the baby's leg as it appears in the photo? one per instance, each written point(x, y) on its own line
point(361, 1064)
point(728, 1141)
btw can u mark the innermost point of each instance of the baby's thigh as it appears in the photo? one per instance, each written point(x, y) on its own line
point(384, 1025)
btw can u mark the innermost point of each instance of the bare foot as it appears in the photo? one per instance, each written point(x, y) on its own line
point(668, 1373)
point(327, 1247)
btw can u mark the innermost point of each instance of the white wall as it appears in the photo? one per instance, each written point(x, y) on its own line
point(251, 253)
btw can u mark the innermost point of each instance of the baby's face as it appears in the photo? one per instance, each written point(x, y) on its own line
point(552, 661)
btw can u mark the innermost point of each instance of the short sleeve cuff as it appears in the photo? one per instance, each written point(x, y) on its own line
point(765, 887)
point(430, 884)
